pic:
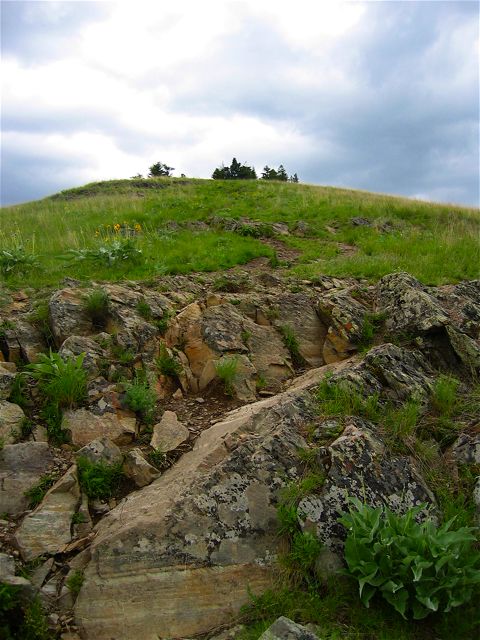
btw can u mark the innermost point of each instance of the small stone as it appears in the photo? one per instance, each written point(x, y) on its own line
point(138, 469)
point(199, 400)
point(178, 395)
point(169, 433)
point(101, 450)
point(285, 629)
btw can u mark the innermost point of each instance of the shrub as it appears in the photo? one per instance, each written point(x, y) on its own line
point(417, 568)
point(97, 306)
point(159, 169)
point(226, 370)
point(61, 381)
point(236, 171)
point(139, 397)
point(97, 479)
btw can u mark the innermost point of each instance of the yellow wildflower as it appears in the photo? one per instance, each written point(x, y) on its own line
point(116, 227)
point(138, 227)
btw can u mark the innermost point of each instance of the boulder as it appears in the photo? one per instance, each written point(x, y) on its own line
point(11, 418)
point(21, 467)
point(84, 426)
point(169, 433)
point(7, 565)
point(94, 354)
point(23, 342)
point(48, 528)
point(67, 316)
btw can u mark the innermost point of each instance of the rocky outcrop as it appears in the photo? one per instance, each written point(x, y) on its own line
point(85, 426)
point(11, 419)
point(6, 381)
point(211, 519)
point(344, 316)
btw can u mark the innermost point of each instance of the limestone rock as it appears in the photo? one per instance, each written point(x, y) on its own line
point(67, 316)
point(169, 433)
point(11, 418)
point(23, 342)
point(138, 469)
point(6, 381)
point(48, 528)
point(285, 629)
point(84, 426)
point(101, 450)
point(466, 449)
point(21, 466)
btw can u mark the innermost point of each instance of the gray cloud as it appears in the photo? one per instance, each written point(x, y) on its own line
point(391, 106)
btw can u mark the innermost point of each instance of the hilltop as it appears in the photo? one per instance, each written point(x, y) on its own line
point(196, 380)
point(188, 225)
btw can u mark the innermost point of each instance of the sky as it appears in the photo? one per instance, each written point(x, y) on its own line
point(381, 96)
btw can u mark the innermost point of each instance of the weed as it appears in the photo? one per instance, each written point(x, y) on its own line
point(162, 323)
point(37, 493)
point(122, 355)
point(417, 568)
point(61, 381)
point(78, 518)
point(18, 392)
point(74, 581)
point(339, 399)
point(261, 382)
point(231, 285)
point(444, 398)
point(99, 480)
point(17, 261)
point(371, 324)
point(158, 458)
point(139, 397)
point(274, 260)
point(272, 313)
point(226, 370)
point(40, 319)
point(246, 335)
point(97, 307)
point(110, 253)
point(144, 309)
point(166, 363)
point(291, 342)
point(53, 417)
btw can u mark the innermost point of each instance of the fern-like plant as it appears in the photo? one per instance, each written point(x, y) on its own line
point(62, 381)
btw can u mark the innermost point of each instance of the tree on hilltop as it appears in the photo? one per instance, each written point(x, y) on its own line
point(236, 171)
point(159, 169)
point(275, 174)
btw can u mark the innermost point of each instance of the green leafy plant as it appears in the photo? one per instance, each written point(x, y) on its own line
point(20, 622)
point(290, 340)
point(158, 458)
point(417, 568)
point(166, 363)
point(139, 397)
point(97, 307)
point(226, 370)
point(37, 493)
point(99, 480)
point(53, 417)
point(371, 324)
point(18, 392)
point(122, 355)
point(444, 398)
point(78, 517)
point(144, 309)
point(74, 581)
point(17, 261)
point(110, 253)
point(162, 323)
point(63, 381)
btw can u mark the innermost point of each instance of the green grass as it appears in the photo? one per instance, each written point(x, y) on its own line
point(98, 480)
point(436, 243)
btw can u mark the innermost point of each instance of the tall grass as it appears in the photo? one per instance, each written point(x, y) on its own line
point(436, 243)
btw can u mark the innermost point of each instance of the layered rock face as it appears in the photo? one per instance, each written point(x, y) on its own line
point(177, 551)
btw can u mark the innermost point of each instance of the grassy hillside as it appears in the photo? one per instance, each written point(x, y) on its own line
point(73, 233)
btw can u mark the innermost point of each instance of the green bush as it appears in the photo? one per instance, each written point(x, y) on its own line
point(61, 381)
point(110, 253)
point(74, 581)
point(20, 622)
point(99, 480)
point(97, 307)
point(226, 370)
point(166, 364)
point(417, 568)
point(139, 397)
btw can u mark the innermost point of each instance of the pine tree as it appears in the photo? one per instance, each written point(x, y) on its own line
point(159, 169)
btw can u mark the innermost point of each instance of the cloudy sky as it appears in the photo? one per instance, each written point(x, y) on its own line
point(381, 96)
